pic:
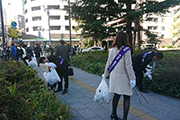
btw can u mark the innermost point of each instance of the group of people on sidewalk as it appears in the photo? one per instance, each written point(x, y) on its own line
point(125, 72)
point(12, 52)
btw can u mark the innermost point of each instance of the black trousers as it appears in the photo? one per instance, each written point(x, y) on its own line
point(25, 58)
point(139, 78)
point(63, 74)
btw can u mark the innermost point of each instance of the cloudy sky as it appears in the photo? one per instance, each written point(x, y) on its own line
point(12, 10)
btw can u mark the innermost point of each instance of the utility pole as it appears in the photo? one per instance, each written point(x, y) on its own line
point(2, 25)
point(10, 20)
point(48, 24)
point(69, 25)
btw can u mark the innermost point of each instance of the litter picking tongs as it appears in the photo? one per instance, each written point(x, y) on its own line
point(155, 84)
point(136, 89)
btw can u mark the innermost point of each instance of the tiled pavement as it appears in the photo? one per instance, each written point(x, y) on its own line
point(81, 92)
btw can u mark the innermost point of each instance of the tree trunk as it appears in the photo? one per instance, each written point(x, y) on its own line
point(129, 22)
point(139, 35)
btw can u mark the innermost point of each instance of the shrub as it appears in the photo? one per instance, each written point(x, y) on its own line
point(92, 62)
point(23, 95)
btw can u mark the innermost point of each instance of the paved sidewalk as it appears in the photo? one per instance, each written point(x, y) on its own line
point(82, 88)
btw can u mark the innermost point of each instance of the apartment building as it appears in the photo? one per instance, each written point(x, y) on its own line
point(162, 25)
point(36, 21)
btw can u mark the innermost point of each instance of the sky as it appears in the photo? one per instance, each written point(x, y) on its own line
point(14, 9)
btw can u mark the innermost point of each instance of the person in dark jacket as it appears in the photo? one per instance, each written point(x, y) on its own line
point(63, 51)
point(140, 63)
point(20, 52)
point(29, 54)
point(56, 60)
point(37, 52)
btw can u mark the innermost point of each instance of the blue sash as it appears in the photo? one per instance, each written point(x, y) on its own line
point(62, 60)
point(117, 58)
point(143, 58)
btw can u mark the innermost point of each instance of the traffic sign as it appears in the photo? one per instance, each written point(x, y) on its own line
point(14, 24)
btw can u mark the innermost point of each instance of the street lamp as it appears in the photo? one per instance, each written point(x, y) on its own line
point(39, 35)
point(47, 9)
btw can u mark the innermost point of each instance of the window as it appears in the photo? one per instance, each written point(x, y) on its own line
point(27, 29)
point(66, 27)
point(162, 36)
point(73, 27)
point(155, 27)
point(26, 20)
point(35, 28)
point(25, 1)
point(54, 17)
point(149, 27)
point(66, 17)
point(36, 8)
point(53, 7)
point(25, 11)
point(155, 20)
point(66, 7)
point(163, 20)
point(152, 27)
point(55, 27)
point(162, 28)
point(36, 18)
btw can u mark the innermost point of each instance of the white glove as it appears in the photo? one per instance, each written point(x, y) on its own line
point(150, 77)
point(132, 83)
point(103, 76)
point(146, 74)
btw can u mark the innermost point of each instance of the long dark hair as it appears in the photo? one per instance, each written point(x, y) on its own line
point(121, 39)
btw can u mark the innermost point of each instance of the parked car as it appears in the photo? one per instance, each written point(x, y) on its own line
point(93, 49)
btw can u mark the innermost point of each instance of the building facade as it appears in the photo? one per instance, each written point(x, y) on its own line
point(36, 20)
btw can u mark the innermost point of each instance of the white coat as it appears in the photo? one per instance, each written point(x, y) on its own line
point(121, 74)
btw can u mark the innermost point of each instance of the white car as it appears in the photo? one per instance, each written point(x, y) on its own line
point(93, 49)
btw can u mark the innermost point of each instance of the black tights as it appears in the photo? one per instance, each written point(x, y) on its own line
point(126, 104)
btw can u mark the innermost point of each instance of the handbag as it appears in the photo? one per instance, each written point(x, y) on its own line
point(70, 71)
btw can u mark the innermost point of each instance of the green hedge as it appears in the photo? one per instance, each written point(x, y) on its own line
point(23, 95)
point(166, 74)
point(92, 62)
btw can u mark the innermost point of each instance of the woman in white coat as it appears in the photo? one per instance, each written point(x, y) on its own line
point(122, 78)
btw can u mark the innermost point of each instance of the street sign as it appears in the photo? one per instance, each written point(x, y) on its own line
point(14, 24)
point(13, 27)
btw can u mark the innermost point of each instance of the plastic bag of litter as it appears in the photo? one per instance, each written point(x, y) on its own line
point(52, 77)
point(102, 92)
point(32, 63)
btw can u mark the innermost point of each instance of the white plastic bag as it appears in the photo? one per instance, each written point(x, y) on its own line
point(52, 77)
point(32, 63)
point(102, 92)
point(50, 64)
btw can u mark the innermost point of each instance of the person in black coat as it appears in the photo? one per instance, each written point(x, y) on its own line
point(58, 62)
point(29, 54)
point(140, 63)
point(63, 51)
point(37, 52)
